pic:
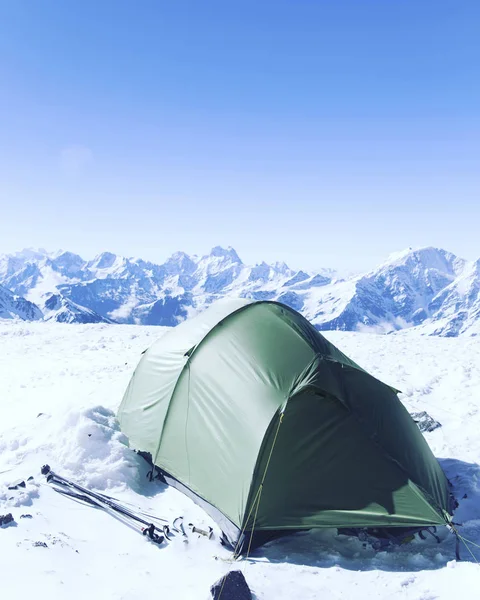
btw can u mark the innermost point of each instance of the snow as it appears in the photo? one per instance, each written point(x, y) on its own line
point(124, 311)
point(329, 302)
point(426, 257)
point(48, 282)
point(60, 386)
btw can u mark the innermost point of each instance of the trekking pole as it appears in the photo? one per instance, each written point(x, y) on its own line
point(103, 501)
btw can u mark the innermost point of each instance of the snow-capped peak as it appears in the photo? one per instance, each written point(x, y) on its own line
point(105, 260)
point(226, 253)
point(427, 257)
point(179, 257)
point(282, 267)
point(178, 263)
point(68, 263)
point(32, 254)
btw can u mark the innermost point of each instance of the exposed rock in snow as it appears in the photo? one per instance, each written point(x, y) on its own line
point(424, 421)
point(6, 520)
point(231, 587)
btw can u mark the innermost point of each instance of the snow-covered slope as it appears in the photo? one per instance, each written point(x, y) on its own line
point(16, 307)
point(397, 294)
point(428, 289)
point(36, 278)
point(456, 308)
point(60, 387)
point(63, 310)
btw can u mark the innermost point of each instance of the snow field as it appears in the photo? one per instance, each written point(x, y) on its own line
point(60, 386)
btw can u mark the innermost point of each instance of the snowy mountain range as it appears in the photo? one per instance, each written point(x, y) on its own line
point(429, 289)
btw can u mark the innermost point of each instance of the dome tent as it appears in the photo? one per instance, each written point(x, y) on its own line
point(249, 410)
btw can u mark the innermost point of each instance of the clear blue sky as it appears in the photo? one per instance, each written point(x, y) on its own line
point(319, 132)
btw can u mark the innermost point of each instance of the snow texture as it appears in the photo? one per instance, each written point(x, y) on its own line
point(60, 387)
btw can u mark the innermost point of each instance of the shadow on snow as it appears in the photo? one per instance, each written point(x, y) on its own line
point(324, 548)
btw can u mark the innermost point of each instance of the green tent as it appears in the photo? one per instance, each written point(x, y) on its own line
point(248, 409)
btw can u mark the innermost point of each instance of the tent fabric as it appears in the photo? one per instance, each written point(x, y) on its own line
point(250, 410)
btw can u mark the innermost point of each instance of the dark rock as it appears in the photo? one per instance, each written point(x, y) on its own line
point(231, 587)
point(6, 519)
point(425, 422)
point(40, 545)
point(26, 516)
point(17, 484)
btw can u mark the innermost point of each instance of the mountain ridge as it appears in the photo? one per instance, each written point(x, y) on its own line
point(428, 288)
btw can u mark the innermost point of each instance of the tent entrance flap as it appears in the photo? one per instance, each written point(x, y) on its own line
point(326, 472)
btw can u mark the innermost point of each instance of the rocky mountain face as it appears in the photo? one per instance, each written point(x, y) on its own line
point(430, 289)
point(63, 310)
point(456, 308)
point(402, 292)
point(16, 307)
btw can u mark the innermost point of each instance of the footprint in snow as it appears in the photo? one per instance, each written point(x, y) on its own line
point(408, 581)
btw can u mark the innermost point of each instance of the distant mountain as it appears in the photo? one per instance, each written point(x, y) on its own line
point(396, 295)
point(456, 308)
point(430, 289)
point(61, 309)
point(16, 307)
point(128, 290)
